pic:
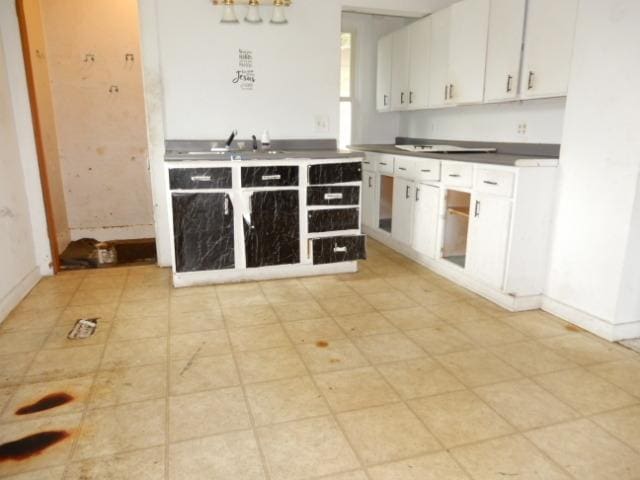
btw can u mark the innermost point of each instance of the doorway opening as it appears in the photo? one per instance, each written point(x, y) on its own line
point(87, 100)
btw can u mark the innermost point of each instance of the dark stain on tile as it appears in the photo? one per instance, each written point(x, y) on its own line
point(46, 403)
point(322, 344)
point(334, 360)
point(572, 328)
point(31, 445)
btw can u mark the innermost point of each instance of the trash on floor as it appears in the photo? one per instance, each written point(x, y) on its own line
point(83, 328)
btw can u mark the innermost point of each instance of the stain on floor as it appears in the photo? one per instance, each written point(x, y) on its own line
point(48, 402)
point(31, 446)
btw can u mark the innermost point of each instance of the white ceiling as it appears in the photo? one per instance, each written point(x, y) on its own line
point(402, 8)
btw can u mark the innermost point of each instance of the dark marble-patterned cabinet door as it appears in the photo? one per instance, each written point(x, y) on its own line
point(203, 231)
point(273, 237)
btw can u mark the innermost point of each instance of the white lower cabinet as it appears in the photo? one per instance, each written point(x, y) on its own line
point(425, 219)
point(369, 199)
point(403, 200)
point(488, 241)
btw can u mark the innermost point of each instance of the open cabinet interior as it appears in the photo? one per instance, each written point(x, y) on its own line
point(386, 202)
point(456, 227)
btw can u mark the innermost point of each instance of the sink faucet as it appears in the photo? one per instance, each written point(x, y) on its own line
point(230, 139)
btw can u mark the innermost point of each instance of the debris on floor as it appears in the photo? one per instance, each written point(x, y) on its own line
point(91, 253)
point(83, 328)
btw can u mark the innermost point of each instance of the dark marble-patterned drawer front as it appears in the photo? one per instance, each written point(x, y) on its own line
point(339, 249)
point(199, 178)
point(333, 196)
point(273, 237)
point(334, 220)
point(323, 174)
point(276, 176)
point(203, 231)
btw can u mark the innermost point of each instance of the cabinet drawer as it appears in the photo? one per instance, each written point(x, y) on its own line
point(428, 169)
point(369, 163)
point(339, 249)
point(273, 176)
point(385, 164)
point(333, 196)
point(497, 182)
point(327, 173)
point(334, 220)
point(457, 174)
point(199, 178)
point(405, 167)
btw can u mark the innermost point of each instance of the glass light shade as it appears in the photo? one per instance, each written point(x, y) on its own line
point(253, 13)
point(229, 13)
point(278, 17)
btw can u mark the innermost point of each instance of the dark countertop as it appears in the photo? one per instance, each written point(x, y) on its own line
point(504, 159)
point(283, 149)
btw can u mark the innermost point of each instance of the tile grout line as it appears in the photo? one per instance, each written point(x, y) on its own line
point(252, 422)
point(81, 425)
point(333, 413)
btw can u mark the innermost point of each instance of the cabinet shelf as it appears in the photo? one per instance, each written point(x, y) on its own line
point(462, 211)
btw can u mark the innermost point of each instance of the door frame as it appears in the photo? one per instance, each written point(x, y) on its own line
point(37, 131)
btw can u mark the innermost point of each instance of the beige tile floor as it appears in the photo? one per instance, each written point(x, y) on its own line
point(392, 373)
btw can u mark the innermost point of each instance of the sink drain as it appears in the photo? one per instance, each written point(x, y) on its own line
point(83, 328)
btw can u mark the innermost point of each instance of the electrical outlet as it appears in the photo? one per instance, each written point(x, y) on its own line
point(522, 129)
point(321, 124)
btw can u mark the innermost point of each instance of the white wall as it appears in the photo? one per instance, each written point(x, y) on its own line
point(101, 135)
point(594, 267)
point(491, 123)
point(28, 158)
point(369, 126)
point(20, 269)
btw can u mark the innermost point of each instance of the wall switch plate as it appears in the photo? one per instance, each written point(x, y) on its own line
point(321, 123)
point(522, 129)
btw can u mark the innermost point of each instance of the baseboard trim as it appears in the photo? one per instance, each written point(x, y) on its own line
point(17, 294)
point(458, 276)
point(597, 326)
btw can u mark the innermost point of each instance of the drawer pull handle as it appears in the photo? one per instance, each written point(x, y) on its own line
point(271, 177)
point(455, 175)
point(201, 178)
point(382, 163)
point(426, 171)
point(226, 206)
point(489, 182)
point(402, 168)
point(333, 196)
point(338, 249)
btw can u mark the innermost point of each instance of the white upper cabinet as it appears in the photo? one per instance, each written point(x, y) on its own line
point(548, 48)
point(504, 52)
point(400, 70)
point(439, 64)
point(385, 50)
point(419, 58)
point(468, 51)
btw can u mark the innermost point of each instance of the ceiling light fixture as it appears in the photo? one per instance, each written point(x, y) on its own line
point(279, 18)
point(253, 12)
point(229, 12)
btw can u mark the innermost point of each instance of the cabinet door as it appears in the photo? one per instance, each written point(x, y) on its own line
point(419, 58)
point(468, 51)
point(400, 70)
point(439, 63)
point(402, 224)
point(426, 219)
point(385, 49)
point(548, 47)
point(369, 200)
point(489, 238)
point(506, 30)
point(273, 236)
point(203, 231)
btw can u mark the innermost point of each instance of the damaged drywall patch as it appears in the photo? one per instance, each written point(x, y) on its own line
point(6, 212)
